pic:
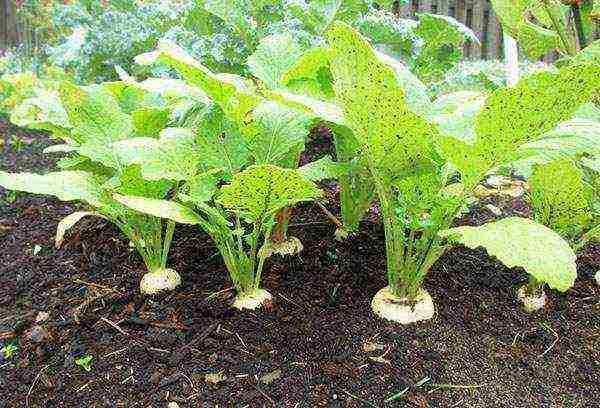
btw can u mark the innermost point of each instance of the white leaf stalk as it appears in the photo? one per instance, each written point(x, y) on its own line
point(387, 306)
point(511, 55)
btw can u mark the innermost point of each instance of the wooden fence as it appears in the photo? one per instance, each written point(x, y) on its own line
point(10, 28)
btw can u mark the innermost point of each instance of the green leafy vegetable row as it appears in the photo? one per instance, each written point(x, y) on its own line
point(222, 151)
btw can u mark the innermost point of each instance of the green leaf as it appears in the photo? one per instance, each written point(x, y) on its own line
point(60, 148)
point(173, 156)
point(569, 139)
point(316, 15)
point(235, 14)
point(97, 121)
point(326, 111)
point(525, 243)
point(310, 74)
point(44, 112)
point(442, 37)
point(199, 189)
point(324, 168)
point(514, 116)
point(131, 182)
point(94, 114)
point(280, 135)
point(231, 92)
point(417, 97)
point(64, 185)
point(535, 40)
point(588, 111)
point(273, 57)
point(159, 208)
point(559, 198)
point(149, 122)
point(220, 143)
point(383, 27)
point(390, 134)
point(259, 192)
point(455, 114)
point(590, 54)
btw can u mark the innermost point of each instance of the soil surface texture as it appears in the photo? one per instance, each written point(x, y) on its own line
point(317, 345)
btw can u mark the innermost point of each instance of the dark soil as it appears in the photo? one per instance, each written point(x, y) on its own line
point(319, 345)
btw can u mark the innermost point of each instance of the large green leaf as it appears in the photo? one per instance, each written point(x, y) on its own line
point(455, 114)
point(131, 182)
point(159, 208)
point(325, 168)
point(64, 185)
point(149, 121)
point(569, 139)
point(44, 111)
point(316, 15)
point(220, 143)
point(326, 111)
point(442, 38)
point(173, 156)
point(514, 116)
point(234, 13)
point(259, 192)
point(97, 121)
point(559, 198)
point(199, 189)
point(525, 243)
point(383, 27)
point(232, 93)
point(589, 111)
point(535, 40)
point(417, 98)
point(273, 57)
point(310, 74)
point(393, 137)
point(280, 134)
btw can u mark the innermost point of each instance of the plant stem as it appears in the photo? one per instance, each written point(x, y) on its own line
point(329, 215)
point(281, 226)
point(261, 263)
point(570, 48)
point(167, 242)
point(579, 25)
point(534, 287)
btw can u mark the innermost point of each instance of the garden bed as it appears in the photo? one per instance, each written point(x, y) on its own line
point(317, 345)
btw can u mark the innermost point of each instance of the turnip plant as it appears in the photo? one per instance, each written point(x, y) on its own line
point(406, 154)
point(240, 220)
point(269, 132)
point(92, 121)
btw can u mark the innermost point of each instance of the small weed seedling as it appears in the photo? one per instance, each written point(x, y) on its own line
point(85, 362)
point(9, 350)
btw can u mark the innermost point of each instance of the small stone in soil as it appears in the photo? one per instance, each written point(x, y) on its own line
point(42, 317)
point(37, 334)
